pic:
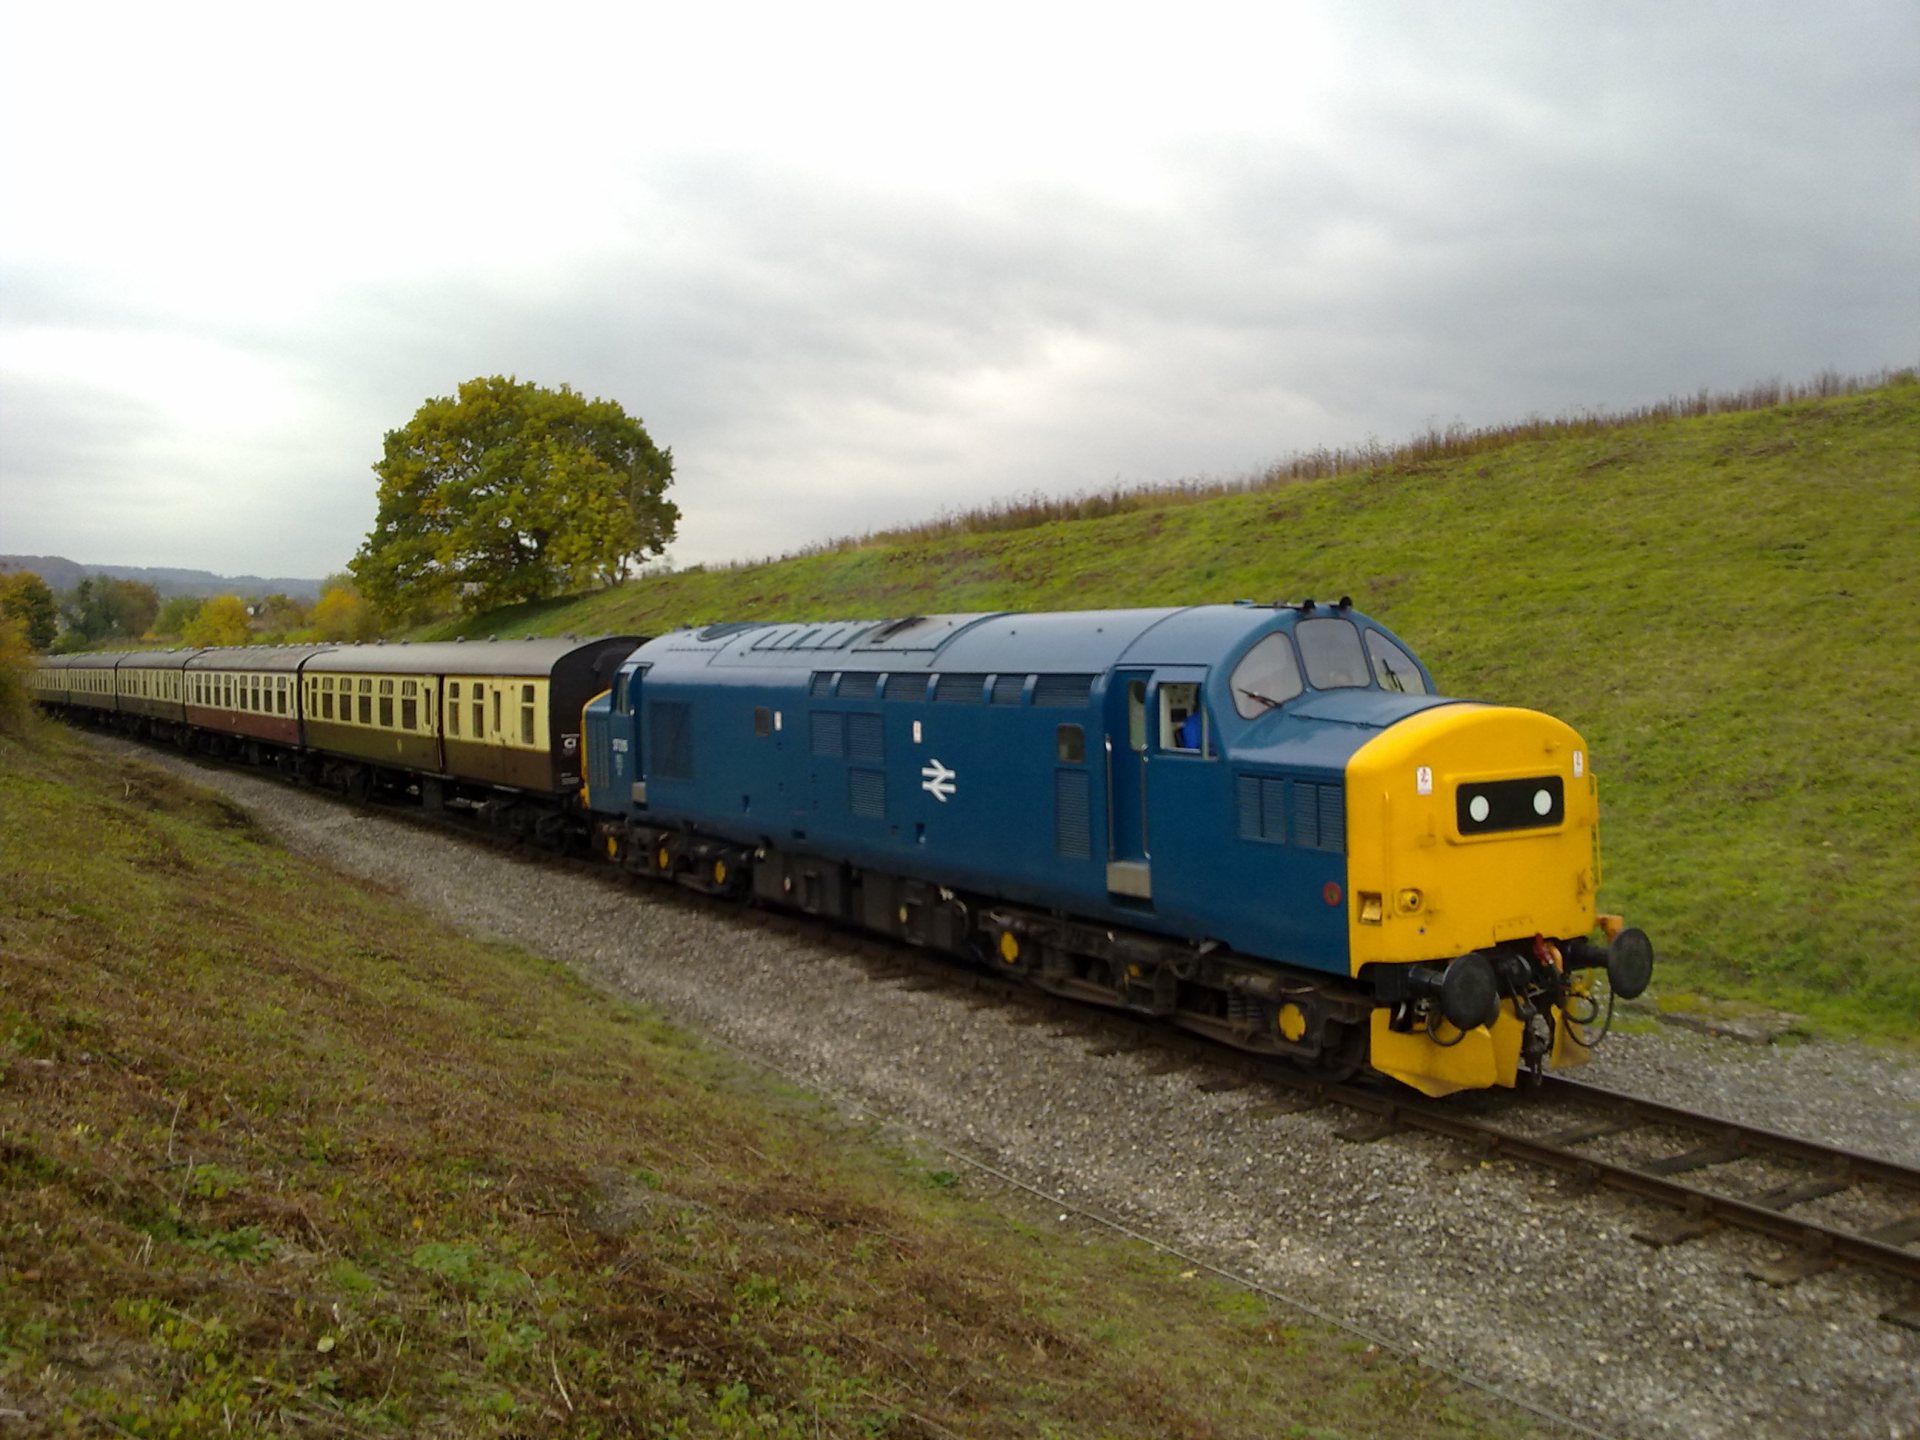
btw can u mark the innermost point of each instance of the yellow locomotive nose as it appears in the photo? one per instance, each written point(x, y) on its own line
point(1469, 825)
point(1472, 848)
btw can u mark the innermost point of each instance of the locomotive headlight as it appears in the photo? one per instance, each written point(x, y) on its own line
point(1483, 807)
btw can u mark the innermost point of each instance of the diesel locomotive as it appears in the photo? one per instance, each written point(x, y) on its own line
point(1257, 821)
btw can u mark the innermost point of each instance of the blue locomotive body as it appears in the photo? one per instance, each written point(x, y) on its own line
point(1037, 759)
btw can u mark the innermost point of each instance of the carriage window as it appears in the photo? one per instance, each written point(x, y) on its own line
point(326, 699)
point(1393, 667)
point(496, 711)
point(386, 704)
point(1266, 678)
point(1331, 651)
point(479, 712)
point(280, 694)
point(453, 707)
point(366, 702)
point(254, 688)
point(526, 714)
point(409, 704)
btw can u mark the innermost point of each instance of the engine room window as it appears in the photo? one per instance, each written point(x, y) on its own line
point(1393, 668)
point(1331, 650)
point(1070, 744)
point(1266, 678)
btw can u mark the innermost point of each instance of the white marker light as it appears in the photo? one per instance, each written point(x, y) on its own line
point(1542, 803)
point(1479, 809)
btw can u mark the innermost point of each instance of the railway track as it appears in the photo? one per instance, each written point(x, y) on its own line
point(1705, 1171)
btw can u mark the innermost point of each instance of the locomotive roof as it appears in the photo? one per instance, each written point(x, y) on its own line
point(1000, 641)
point(460, 657)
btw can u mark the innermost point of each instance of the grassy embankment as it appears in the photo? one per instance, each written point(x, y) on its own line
point(280, 1155)
point(1728, 606)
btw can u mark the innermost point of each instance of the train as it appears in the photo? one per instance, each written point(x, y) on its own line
point(1260, 822)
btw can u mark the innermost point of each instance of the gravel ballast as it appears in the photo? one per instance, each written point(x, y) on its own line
point(1491, 1269)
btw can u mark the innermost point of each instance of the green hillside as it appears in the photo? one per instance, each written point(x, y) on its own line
point(1728, 607)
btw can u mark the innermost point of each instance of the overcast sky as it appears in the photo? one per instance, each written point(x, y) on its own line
point(859, 264)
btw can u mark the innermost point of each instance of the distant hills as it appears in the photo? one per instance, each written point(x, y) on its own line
point(64, 574)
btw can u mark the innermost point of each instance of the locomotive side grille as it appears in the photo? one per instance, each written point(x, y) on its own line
point(867, 793)
point(960, 690)
point(670, 723)
point(1261, 804)
point(1072, 815)
point(866, 740)
point(906, 687)
point(1062, 689)
point(829, 734)
point(861, 685)
point(1007, 688)
point(822, 683)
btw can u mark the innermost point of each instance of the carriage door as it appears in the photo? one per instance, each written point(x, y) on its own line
point(1126, 759)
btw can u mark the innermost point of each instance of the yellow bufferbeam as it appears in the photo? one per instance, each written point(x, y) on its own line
point(1484, 1057)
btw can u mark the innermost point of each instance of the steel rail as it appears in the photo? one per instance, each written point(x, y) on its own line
point(1753, 1139)
point(1809, 1235)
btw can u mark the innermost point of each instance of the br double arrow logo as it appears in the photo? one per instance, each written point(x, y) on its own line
point(938, 781)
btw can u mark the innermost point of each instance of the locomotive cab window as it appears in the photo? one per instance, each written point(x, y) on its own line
point(1182, 721)
point(1136, 714)
point(1393, 668)
point(1266, 678)
point(1331, 651)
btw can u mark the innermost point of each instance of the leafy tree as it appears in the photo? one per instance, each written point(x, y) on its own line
point(176, 614)
point(99, 608)
point(510, 491)
point(26, 598)
point(342, 613)
point(221, 621)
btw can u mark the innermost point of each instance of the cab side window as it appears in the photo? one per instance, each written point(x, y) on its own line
point(1183, 723)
